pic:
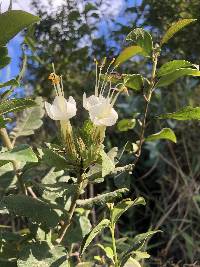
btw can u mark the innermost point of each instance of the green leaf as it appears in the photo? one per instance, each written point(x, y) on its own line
point(12, 82)
point(95, 231)
point(174, 65)
point(53, 159)
point(4, 58)
point(108, 165)
point(29, 121)
point(23, 153)
point(102, 199)
point(123, 206)
point(15, 105)
point(12, 22)
point(171, 77)
point(126, 124)
point(165, 133)
point(132, 263)
point(39, 254)
point(85, 264)
point(139, 239)
point(141, 38)
point(175, 27)
point(138, 242)
point(127, 53)
point(108, 251)
point(186, 113)
point(3, 121)
point(32, 208)
point(133, 81)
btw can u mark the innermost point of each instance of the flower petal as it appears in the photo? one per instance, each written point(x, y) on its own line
point(90, 101)
point(48, 110)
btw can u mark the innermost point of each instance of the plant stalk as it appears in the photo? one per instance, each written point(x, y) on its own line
point(66, 225)
point(112, 230)
point(7, 142)
point(147, 101)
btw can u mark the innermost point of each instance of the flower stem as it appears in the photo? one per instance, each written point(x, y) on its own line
point(112, 230)
point(147, 101)
point(7, 142)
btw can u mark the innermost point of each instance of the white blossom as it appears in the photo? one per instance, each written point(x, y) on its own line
point(61, 109)
point(100, 105)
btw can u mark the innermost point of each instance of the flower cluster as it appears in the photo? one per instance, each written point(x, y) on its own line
point(100, 106)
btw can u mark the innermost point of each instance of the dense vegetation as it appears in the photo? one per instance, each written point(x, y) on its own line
point(165, 174)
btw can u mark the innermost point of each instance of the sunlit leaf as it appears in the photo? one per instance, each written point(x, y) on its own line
point(15, 105)
point(123, 206)
point(141, 38)
point(186, 113)
point(175, 27)
point(95, 231)
point(126, 124)
point(12, 22)
point(128, 53)
point(174, 65)
point(172, 76)
point(165, 133)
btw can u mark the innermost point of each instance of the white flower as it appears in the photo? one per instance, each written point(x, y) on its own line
point(100, 107)
point(61, 109)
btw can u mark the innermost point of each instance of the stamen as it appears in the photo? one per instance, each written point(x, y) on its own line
point(61, 81)
point(105, 82)
point(96, 86)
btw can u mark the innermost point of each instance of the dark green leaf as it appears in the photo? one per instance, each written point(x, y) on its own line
point(15, 105)
point(29, 207)
point(175, 27)
point(102, 199)
point(53, 159)
point(165, 133)
point(133, 81)
point(95, 231)
point(171, 77)
point(141, 38)
point(127, 53)
point(186, 113)
point(126, 124)
point(12, 22)
point(4, 58)
point(22, 153)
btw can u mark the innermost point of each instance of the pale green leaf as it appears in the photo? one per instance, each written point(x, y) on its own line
point(186, 113)
point(102, 199)
point(15, 105)
point(174, 65)
point(12, 22)
point(123, 206)
point(127, 53)
point(175, 27)
point(29, 121)
point(171, 77)
point(108, 165)
point(95, 231)
point(23, 153)
point(126, 124)
point(132, 263)
point(141, 38)
point(165, 133)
